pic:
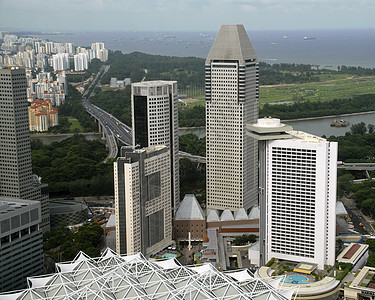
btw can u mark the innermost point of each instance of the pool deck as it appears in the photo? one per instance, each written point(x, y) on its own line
point(327, 284)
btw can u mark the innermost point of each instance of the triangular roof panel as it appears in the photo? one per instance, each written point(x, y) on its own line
point(232, 43)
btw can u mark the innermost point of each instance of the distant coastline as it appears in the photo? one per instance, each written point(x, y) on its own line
point(330, 49)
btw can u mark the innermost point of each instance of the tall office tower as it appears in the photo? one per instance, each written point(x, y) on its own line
point(297, 194)
point(231, 103)
point(143, 200)
point(16, 178)
point(21, 242)
point(155, 122)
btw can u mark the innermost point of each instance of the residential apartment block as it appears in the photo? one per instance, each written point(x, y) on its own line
point(42, 115)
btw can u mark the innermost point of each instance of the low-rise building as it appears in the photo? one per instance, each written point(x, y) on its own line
point(362, 287)
point(189, 220)
point(21, 242)
point(355, 254)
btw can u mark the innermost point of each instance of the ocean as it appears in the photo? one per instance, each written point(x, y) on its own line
point(326, 48)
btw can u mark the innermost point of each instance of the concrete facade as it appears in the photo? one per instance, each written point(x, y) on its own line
point(16, 178)
point(21, 242)
point(231, 103)
point(143, 200)
point(155, 122)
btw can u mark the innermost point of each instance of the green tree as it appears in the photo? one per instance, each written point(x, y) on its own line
point(359, 128)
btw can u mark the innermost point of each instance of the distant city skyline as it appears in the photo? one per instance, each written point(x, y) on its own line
point(187, 15)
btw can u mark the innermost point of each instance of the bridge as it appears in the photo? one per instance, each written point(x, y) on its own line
point(357, 166)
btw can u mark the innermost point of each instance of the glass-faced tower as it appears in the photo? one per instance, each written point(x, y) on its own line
point(231, 103)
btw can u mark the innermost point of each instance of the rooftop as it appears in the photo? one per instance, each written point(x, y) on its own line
point(189, 209)
point(232, 43)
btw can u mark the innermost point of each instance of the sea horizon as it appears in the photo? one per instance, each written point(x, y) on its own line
point(328, 48)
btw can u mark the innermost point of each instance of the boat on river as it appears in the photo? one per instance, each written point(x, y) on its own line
point(340, 123)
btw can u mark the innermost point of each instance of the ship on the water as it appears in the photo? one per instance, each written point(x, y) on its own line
point(340, 123)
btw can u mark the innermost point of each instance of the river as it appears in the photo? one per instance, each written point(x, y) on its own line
point(318, 127)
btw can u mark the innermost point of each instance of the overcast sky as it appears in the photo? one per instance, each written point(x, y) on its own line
point(184, 15)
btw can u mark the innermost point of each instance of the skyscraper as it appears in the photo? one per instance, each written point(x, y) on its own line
point(297, 194)
point(16, 178)
point(155, 122)
point(231, 103)
point(143, 205)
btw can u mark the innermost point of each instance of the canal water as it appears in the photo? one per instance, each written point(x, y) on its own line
point(318, 127)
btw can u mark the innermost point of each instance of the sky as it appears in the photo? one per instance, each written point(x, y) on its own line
point(183, 15)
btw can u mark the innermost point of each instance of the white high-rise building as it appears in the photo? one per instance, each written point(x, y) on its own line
point(297, 194)
point(155, 122)
point(231, 103)
point(81, 61)
point(60, 61)
point(143, 200)
point(99, 51)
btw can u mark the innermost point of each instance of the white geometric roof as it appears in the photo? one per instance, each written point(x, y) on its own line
point(189, 209)
point(212, 215)
point(113, 276)
point(226, 215)
point(254, 213)
point(240, 214)
point(232, 43)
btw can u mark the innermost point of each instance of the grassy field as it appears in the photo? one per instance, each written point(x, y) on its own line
point(322, 91)
point(76, 126)
point(330, 86)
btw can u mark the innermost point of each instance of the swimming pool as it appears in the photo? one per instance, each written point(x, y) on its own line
point(169, 255)
point(296, 279)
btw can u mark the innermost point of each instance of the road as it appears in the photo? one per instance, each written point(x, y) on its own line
point(357, 166)
point(114, 130)
point(357, 217)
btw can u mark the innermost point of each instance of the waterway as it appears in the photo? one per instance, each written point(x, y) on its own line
point(318, 127)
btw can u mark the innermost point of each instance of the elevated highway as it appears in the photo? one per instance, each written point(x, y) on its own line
point(357, 166)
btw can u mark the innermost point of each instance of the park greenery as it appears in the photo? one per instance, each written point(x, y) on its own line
point(192, 144)
point(307, 109)
point(357, 146)
point(73, 167)
point(73, 108)
point(93, 68)
point(187, 71)
point(371, 258)
point(193, 179)
point(244, 239)
point(308, 90)
point(115, 102)
point(64, 245)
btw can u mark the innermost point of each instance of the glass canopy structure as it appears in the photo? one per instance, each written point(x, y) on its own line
point(114, 276)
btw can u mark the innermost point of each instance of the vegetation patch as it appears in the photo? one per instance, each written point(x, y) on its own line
point(73, 167)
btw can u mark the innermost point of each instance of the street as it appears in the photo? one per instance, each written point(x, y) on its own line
point(357, 217)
